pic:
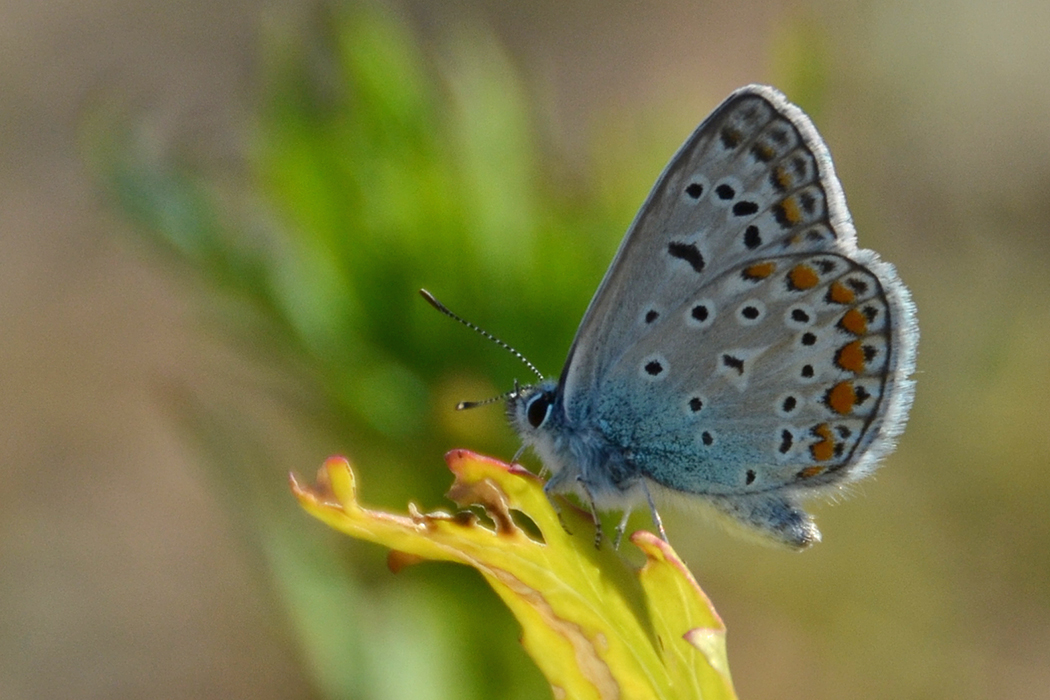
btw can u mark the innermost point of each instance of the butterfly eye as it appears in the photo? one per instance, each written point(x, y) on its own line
point(538, 410)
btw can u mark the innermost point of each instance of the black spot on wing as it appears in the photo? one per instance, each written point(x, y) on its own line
point(752, 237)
point(687, 252)
point(725, 191)
point(745, 208)
point(733, 363)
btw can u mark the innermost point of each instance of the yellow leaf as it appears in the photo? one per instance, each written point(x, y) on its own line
point(596, 627)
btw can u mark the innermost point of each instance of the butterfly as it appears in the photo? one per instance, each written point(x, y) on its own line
point(741, 350)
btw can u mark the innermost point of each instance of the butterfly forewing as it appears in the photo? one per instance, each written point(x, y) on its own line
point(749, 180)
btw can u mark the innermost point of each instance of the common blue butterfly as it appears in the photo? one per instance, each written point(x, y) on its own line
point(741, 348)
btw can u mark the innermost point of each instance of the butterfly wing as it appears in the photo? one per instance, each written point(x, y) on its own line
point(740, 342)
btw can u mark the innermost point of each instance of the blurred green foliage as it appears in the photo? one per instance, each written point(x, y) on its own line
point(377, 167)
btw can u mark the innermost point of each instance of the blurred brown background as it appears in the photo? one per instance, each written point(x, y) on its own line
point(122, 576)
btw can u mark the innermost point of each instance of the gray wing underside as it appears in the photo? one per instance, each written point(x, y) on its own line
point(753, 184)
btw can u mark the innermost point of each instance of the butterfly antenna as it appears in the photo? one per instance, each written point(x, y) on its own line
point(444, 309)
point(464, 405)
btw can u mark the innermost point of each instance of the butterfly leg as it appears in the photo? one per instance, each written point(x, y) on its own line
point(594, 512)
point(549, 490)
point(561, 520)
point(657, 520)
point(621, 527)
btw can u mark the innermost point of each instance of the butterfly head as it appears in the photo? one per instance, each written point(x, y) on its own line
point(537, 414)
point(530, 408)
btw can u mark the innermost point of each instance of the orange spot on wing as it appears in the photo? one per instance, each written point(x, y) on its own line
point(790, 211)
point(764, 152)
point(851, 357)
point(840, 294)
point(731, 137)
point(854, 322)
point(760, 271)
point(825, 449)
point(841, 398)
point(803, 277)
point(810, 472)
point(783, 177)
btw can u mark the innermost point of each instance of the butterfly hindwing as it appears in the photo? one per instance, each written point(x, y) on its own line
point(753, 383)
